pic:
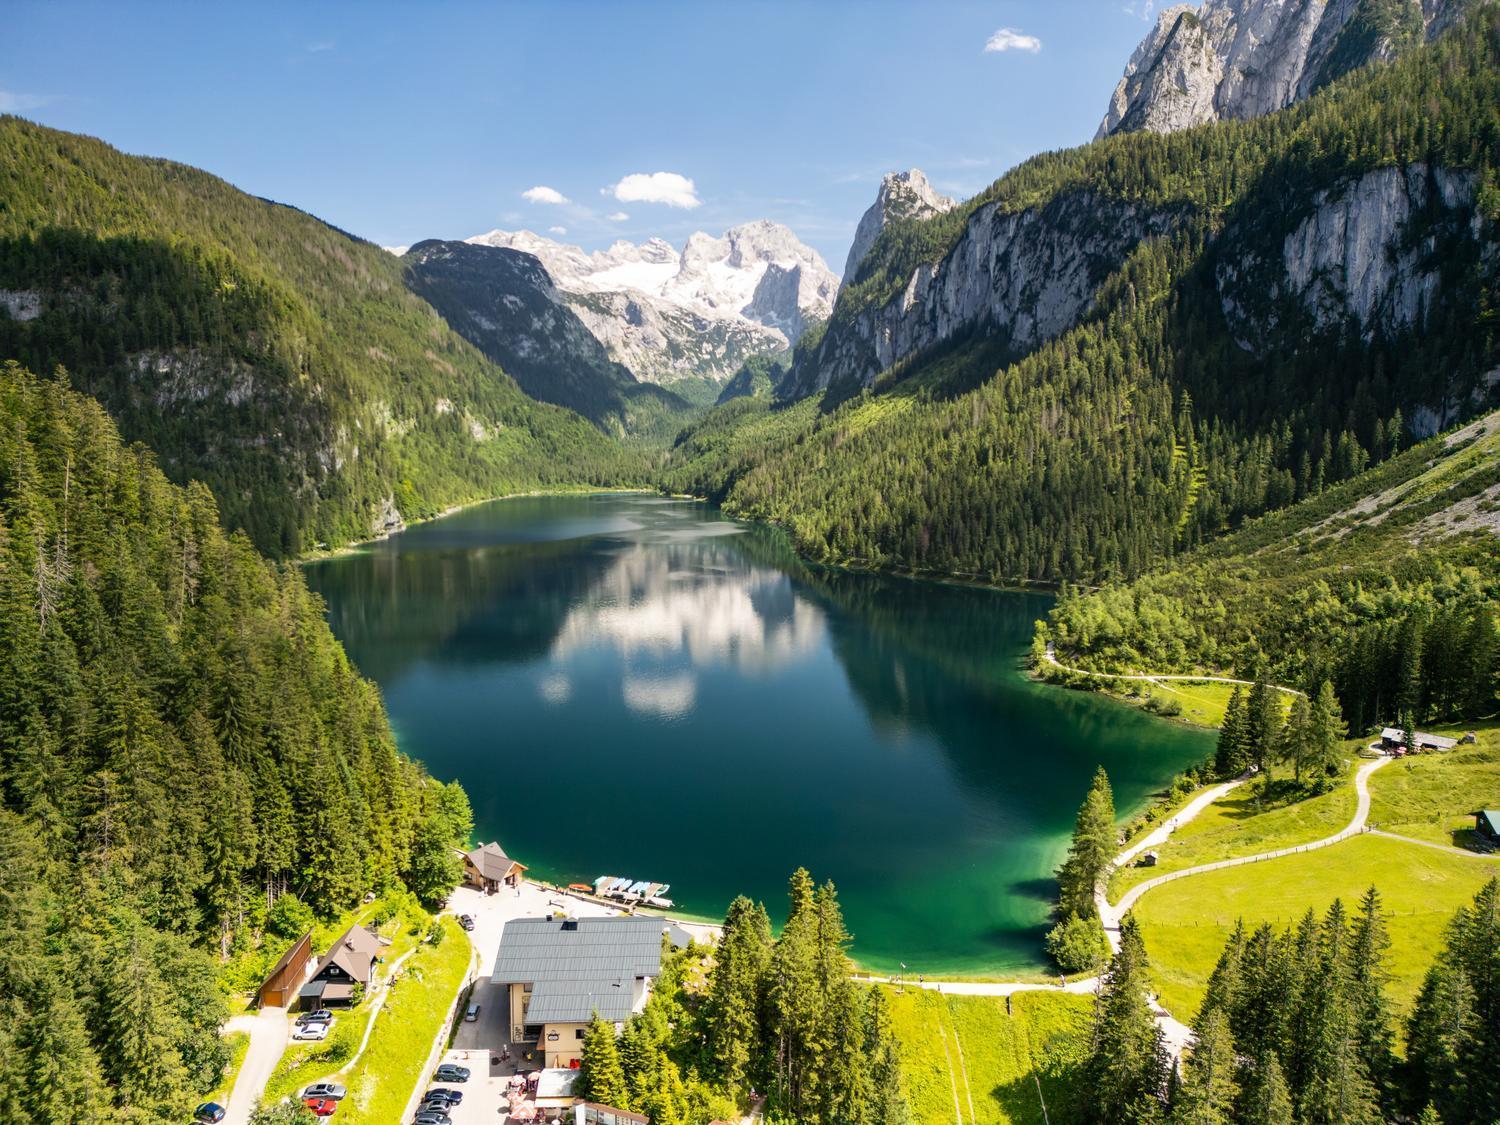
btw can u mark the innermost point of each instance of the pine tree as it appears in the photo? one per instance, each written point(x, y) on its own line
point(1294, 744)
point(1091, 850)
point(1127, 1067)
point(602, 1075)
point(736, 990)
point(1267, 1100)
point(1232, 755)
point(1262, 723)
point(1209, 1086)
point(1325, 731)
point(1373, 1036)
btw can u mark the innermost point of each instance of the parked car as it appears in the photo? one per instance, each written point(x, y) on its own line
point(312, 1031)
point(322, 1107)
point(471, 1014)
point(322, 1015)
point(330, 1090)
point(431, 1117)
point(443, 1094)
point(451, 1072)
point(466, 921)
point(209, 1112)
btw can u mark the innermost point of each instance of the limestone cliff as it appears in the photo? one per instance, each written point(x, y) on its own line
point(1243, 58)
point(902, 195)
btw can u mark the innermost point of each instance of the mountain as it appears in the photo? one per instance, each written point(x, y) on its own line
point(256, 348)
point(1385, 585)
point(902, 195)
point(688, 319)
point(184, 742)
point(1236, 59)
point(1118, 352)
point(504, 302)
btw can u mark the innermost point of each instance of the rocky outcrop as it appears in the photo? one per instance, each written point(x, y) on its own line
point(696, 314)
point(1244, 58)
point(1021, 276)
point(902, 195)
point(504, 302)
point(1368, 256)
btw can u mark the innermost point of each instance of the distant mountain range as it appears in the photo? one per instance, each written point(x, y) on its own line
point(687, 319)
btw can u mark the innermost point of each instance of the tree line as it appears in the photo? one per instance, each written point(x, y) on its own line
point(1297, 1028)
point(775, 1018)
point(182, 743)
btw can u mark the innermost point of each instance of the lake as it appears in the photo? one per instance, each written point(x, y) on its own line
point(632, 685)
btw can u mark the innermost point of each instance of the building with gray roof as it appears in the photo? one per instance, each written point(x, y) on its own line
point(559, 972)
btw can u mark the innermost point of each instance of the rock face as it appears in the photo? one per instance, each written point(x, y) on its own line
point(1369, 257)
point(504, 302)
point(1022, 276)
point(902, 195)
point(698, 314)
point(1243, 58)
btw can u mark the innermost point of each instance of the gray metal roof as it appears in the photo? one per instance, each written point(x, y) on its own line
point(576, 968)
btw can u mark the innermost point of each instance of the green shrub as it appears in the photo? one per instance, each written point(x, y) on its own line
point(1077, 943)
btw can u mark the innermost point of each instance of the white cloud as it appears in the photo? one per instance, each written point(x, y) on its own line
point(1009, 39)
point(557, 230)
point(11, 102)
point(1141, 9)
point(657, 187)
point(544, 194)
point(618, 217)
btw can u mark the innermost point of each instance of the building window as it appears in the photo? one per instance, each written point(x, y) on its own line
point(578, 1033)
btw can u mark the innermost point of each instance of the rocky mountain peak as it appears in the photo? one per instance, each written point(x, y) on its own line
point(1243, 58)
point(902, 195)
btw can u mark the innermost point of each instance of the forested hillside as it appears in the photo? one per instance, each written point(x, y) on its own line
point(1195, 393)
point(259, 350)
point(181, 741)
point(1386, 585)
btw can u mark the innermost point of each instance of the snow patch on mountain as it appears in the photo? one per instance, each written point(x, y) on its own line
point(694, 313)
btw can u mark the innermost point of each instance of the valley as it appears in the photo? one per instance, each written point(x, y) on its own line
point(1049, 672)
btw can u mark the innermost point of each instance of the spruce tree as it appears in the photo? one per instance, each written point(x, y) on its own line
point(1209, 1085)
point(602, 1074)
point(1294, 743)
point(1127, 1067)
point(1326, 730)
point(1231, 757)
point(1368, 977)
point(1092, 848)
point(733, 1006)
point(1267, 1100)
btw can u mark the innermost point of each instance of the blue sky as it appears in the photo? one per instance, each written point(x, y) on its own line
point(402, 122)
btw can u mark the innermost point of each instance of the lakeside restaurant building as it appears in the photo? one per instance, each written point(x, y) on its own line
point(560, 971)
point(488, 868)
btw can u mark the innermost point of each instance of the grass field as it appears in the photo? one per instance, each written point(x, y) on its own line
point(381, 1082)
point(966, 1059)
point(1239, 824)
point(1185, 923)
point(1434, 796)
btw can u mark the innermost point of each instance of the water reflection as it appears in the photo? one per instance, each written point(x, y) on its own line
point(759, 714)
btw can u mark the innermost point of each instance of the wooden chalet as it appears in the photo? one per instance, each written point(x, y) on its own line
point(488, 868)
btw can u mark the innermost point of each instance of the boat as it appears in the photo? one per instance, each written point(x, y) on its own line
point(581, 888)
point(629, 890)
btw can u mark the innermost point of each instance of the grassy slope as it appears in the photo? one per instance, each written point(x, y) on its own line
point(306, 1062)
point(381, 1083)
point(968, 1047)
point(1434, 797)
point(1186, 923)
point(1239, 825)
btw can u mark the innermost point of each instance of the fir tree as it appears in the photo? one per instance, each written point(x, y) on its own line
point(602, 1075)
point(1127, 1067)
point(1209, 1086)
point(1267, 1100)
point(1232, 755)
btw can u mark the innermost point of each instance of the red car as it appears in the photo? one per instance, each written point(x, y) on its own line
point(323, 1107)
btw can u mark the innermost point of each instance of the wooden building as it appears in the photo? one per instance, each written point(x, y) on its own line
point(488, 868)
point(348, 966)
point(1487, 826)
point(280, 987)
